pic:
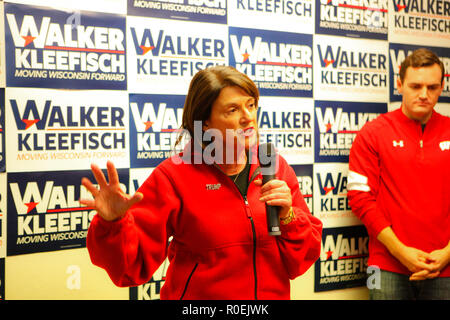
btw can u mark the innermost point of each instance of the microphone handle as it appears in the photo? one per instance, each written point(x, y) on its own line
point(273, 219)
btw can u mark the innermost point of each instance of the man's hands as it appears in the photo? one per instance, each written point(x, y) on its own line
point(438, 260)
point(417, 261)
point(110, 201)
point(423, 265)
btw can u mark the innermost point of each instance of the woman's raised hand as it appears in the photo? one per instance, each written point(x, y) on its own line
point(110, 201)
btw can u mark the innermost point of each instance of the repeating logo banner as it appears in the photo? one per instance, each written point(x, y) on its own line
point(2, 215)
point(443, 108)
point(61, 49)
point(154, 124)
point(138, 177)
point(356, 68)
point(162, 58)
point(2, 130)
point(330, 195)
point(2, 279)
point(419, 22)
point(66, 130)
point(305, 180)
point(356, 18)
point(277, 15)
point(337, 124)
point(2, 45)
point(44, 213)
point(288, 123)
point(280, 63)
point(214, 11)
point(343, 259)
point(398, 53)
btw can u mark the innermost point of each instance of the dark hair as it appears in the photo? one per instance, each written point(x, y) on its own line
point(421, 58)
point(204, 89)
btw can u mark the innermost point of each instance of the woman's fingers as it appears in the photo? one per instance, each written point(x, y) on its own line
point(88, 203)
point(99, 176)
point(113, 177)
point(135, 198)
point(276, 193)
point(89, 186)
point(275, 189)
point(272, 184)
point(110, 201)
point(92, 189)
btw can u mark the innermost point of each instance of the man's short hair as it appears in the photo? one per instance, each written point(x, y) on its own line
point(421, 58)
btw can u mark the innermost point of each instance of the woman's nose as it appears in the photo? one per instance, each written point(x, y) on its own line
point(246, 115)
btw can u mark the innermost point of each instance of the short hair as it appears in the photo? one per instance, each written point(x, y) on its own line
point(204, 89)
point(421, 58)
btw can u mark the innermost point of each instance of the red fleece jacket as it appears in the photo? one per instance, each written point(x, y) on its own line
point(220, 249)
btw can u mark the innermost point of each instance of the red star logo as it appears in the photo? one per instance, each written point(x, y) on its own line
point(29, 123)
point(329, 253)
point(328, 125)
point(328, 62)
point(148, 124)
point(245, 55)
point(327, 189)
point(31, 206)
point(400, 7)
point(146, 49)
point(28, 40)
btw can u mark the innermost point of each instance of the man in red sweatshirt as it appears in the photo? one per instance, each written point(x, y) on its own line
point(399, 173)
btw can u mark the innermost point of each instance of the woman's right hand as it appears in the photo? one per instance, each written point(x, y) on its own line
point(110, 201)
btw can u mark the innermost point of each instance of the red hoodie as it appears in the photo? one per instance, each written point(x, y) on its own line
point(399, 177)
point(220, 249)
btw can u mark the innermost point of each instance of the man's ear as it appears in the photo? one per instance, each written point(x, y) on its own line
point(399, 85)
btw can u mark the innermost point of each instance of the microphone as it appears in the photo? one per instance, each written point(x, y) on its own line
point(267, 161)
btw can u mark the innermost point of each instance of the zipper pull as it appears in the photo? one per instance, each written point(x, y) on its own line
point(247, 208)
point(421, 143)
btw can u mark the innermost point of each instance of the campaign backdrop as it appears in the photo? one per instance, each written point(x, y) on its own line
point(343, 258)
point(2, 130)
point(85, 82)
point(2, 278)
point(58, 48)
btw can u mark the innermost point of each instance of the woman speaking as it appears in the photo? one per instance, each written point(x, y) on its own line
point(211, 200)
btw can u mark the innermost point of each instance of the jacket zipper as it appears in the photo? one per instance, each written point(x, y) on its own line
point(422, 156)
point(188, 280)
point(249, 215)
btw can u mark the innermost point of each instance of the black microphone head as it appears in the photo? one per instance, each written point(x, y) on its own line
point(267, 159)
point(266, 154)
point(268, 164)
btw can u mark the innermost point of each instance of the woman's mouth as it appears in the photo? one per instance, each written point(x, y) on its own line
point(248, 131)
